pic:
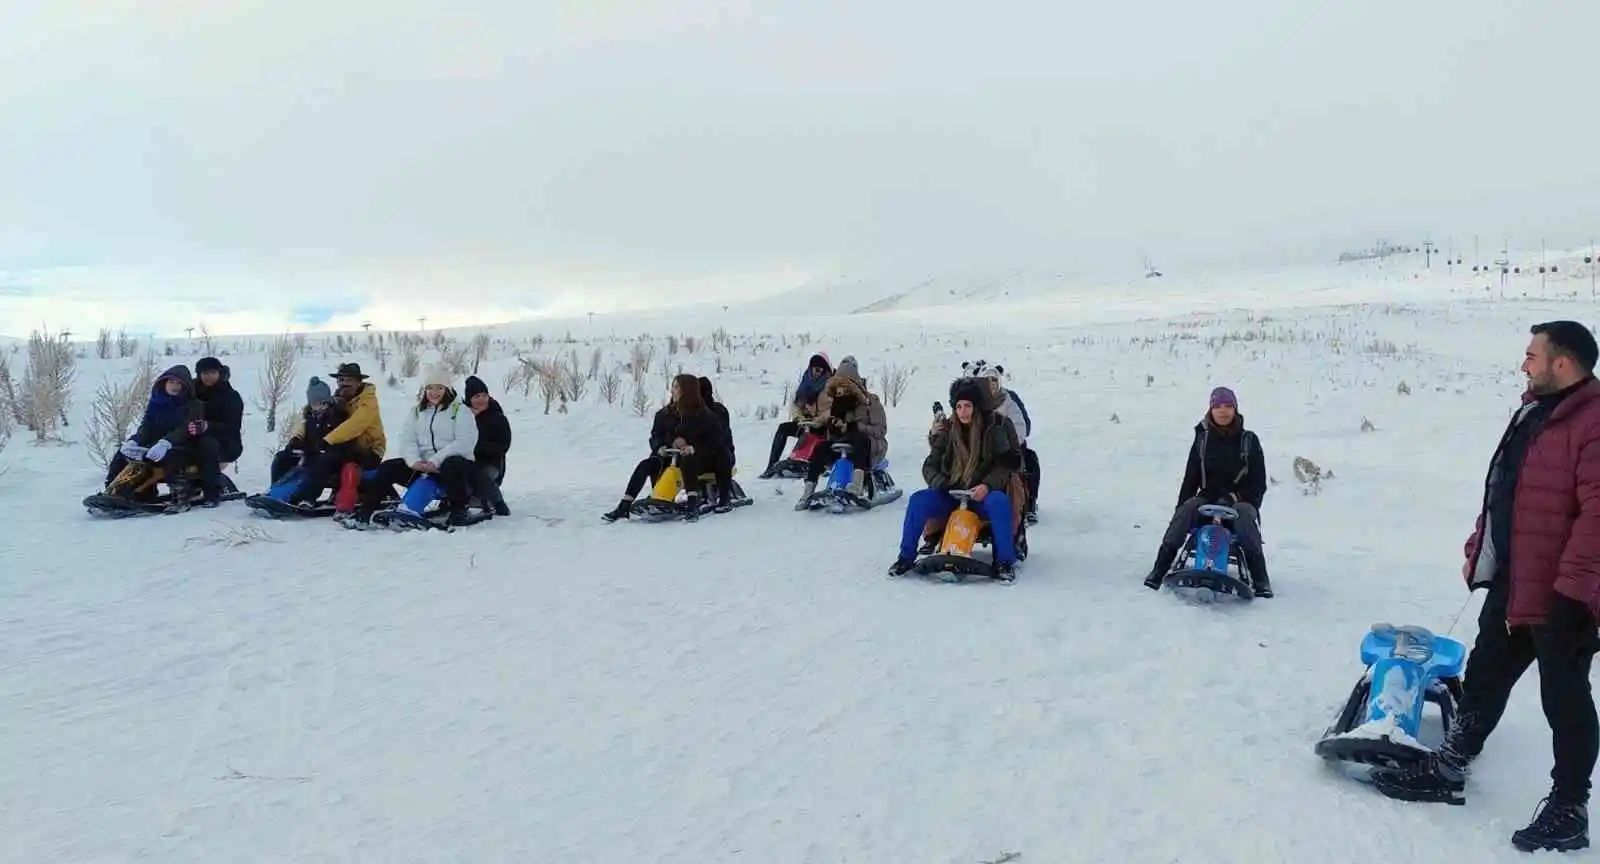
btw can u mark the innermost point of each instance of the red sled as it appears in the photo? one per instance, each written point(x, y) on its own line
point(798, 461)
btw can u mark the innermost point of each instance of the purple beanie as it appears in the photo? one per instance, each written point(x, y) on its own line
point(1224, 396)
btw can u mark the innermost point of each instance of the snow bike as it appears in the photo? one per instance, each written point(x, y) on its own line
point(1211, 562)
point(137, 491)
point(952, 556)
point(418, 510)
point(274, 503)
point(1380, 723)
point(668, 497)
point(835, 495)
point(798, 462)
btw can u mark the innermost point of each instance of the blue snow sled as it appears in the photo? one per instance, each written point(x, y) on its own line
point(1211, 563)
point(835, 495)
point(1380, 724)
point(274, 503)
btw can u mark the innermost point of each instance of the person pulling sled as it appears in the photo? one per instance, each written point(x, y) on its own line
point(1226, 466)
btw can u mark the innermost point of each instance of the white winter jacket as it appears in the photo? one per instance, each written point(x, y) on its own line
point(437, 433)
point(1008, 407)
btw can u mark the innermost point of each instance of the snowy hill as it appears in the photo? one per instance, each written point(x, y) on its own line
point(751, 688)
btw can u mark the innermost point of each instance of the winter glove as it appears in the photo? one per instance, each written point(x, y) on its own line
point(1572, 624)
point(131, 450)
point(198, 428)
point(159, 451)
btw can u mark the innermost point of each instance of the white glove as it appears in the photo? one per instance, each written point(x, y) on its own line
point(131, 450)
point(158, 451)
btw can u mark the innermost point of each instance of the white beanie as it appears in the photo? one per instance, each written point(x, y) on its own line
point(436, 376)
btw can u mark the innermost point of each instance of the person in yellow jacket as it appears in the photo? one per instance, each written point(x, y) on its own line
point(359, 440)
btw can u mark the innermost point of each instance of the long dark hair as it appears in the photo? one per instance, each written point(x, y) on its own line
point(689, 401)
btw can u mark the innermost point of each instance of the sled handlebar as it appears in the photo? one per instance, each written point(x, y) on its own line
point(842, 448)
point(961, 494)
point(1218, 511)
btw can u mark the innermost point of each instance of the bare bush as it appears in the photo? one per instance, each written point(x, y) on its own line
point(547, 374)
point(208, 346)
point(410, 357)
point(665, 367)
point(640, 355)
point(47, 384)
point(895, 380)
point(126, 347)
point(596, 357)
point(690, 343)
point(116, 410)
point(1310, 475)
point(573, 382)
point(277, 376)
point(9, 400)
point(611, 385)
point(102, 344)
point(641, 399)
point(456, 359)
point(672, 344)
point(480, 349)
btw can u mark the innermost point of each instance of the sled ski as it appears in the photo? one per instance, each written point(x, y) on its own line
point(1210, 565)
point(1379, 724)
point(272, 508)
point(836, 497)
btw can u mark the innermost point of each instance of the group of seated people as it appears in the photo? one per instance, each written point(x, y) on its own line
point(461, 442)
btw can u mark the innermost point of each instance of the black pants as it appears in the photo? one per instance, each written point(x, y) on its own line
point(648, 469)
point(1030, 467)
point(486, 483)
point(824, 456)
point(780, 440)
point(1564, 651)
point(323, 468)
point(715, 462)
point(454, 477)
point(202, 453)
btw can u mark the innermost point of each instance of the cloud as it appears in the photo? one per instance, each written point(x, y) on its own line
point(520, 157)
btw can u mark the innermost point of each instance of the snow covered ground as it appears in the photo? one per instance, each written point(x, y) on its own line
point(545, 688)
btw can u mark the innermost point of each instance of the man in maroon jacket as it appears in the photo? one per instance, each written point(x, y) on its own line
point(1536, 548)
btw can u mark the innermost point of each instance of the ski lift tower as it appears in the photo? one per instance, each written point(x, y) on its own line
point(1427, 254)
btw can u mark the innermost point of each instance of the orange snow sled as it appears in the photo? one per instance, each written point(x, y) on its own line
point(949, 544)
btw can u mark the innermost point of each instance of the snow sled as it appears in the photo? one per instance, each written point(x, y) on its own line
point(798, 462)
point(1211, 563)
point(419, 510)
point(1380, 723)
point(274, 503)
point(836, 497)
point(140, 490)
point(668, 499)
point(953, 557)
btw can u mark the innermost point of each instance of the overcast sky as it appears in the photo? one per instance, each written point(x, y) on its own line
point(284, 159)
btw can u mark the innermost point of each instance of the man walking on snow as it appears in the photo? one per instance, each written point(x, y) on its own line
point(1536, 548)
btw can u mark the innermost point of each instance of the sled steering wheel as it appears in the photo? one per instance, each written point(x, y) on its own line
point(1218, 511)
point(961, 494)
point(842, 448)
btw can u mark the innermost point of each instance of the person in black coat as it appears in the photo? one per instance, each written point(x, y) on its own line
point(709, 399)
point(662, 428)
point(1226, 466)
point(707, 447)
point(224, 409)
point(321, 415)
point(494, 442)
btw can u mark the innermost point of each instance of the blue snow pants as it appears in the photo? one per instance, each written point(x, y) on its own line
point(927, 504)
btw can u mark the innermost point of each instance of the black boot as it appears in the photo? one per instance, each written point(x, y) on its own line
point(1258, 574)
point(621, 511)
point(1560, 826)
point(1159, 570)
point(691, 509)
point(1440, 778)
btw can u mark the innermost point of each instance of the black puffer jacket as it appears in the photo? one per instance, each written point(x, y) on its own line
point(1225, 463)
point(224, 414)
point(494, 437)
